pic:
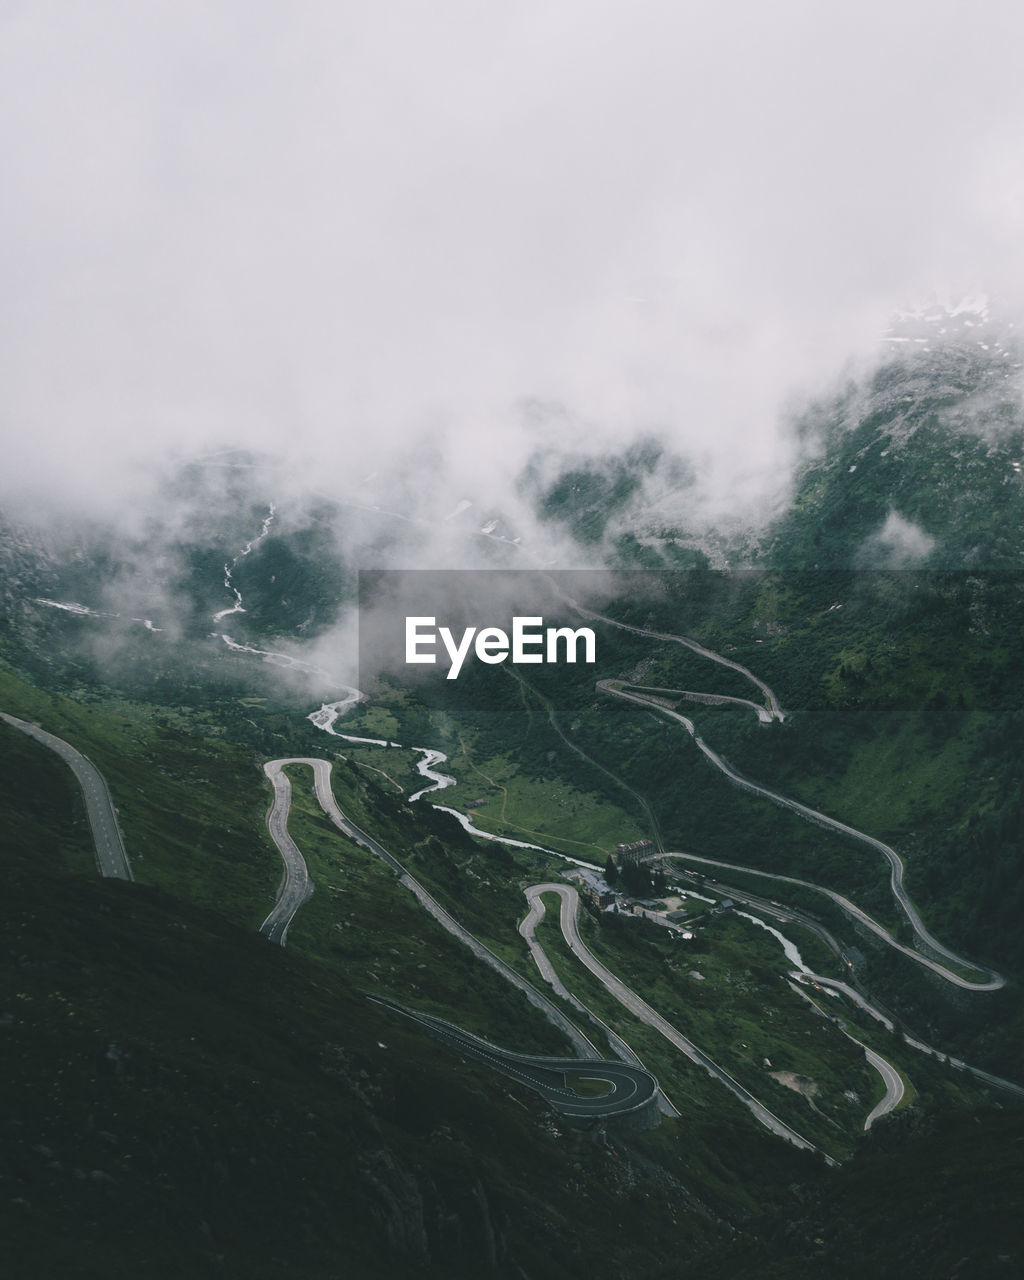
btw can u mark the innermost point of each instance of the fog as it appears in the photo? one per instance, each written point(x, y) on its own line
point(368, 237)
point(899, 544)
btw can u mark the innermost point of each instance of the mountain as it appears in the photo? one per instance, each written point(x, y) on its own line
point(915, 461)
point(182, 1095)
point(919, 464)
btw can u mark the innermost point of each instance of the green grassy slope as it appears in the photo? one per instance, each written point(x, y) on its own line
point(181, 1097)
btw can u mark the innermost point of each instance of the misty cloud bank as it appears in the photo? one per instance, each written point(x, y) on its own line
point(367, 239)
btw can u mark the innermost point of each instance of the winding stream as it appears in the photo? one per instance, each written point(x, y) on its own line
point(238, 607)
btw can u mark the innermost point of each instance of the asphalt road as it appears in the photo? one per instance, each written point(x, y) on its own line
point(111, 856)
point(1008, 1087)
point(766, 907)
point(629, 1087)
point(853, 910)
point(619, 1046)
point(994, 980)
point(644, 1013)
point(891, 1078)
point(773, 706)
point(325, 796)
point(296, 885)
point(893, 1085)
point(709, 699)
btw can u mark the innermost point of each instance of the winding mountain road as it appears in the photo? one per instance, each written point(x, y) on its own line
point(710, 699)
point(568, 921)
point(891, 1078)
point(893, 1085)
point(994, 980)
point(771, 710)
point(296, 886)
point(619, 1046)
point(111, 855)
point(288, 907)
point(630, 1088)
point(772, 704)
point(851, 909)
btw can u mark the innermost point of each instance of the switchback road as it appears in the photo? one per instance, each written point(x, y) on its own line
point(630, 1088)
point(325, 795)
point(992, 983)
point(772, 704)
point(709, 699)
point(619, 1046)
point(641, 1010)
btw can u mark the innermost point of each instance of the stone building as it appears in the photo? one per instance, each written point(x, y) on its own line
point(631, 855)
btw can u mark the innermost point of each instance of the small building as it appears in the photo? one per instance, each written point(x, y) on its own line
point(592, 886)
point(600, 897)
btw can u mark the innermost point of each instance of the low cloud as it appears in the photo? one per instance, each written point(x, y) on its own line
point(899, 544)
point(360, 238)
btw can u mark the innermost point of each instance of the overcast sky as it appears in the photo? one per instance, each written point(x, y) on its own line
point(340, 228)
